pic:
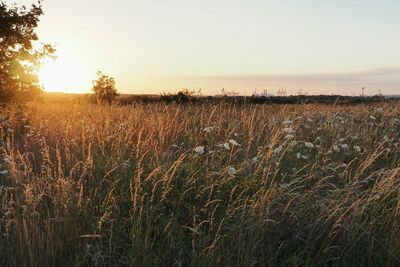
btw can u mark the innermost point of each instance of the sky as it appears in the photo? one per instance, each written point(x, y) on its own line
point(247, 46)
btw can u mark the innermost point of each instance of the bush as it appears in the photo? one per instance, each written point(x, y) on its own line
point(104, 89)
point(183, 96)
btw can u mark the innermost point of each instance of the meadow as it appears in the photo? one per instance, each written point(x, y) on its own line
point(200, 185)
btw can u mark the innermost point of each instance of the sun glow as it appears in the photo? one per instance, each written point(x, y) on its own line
point(68, 73)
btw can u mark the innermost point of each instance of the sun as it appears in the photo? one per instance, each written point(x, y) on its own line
point(68, 73)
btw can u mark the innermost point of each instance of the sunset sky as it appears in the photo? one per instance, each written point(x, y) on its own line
point(155, 46)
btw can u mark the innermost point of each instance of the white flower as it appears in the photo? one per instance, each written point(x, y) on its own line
point(288, 130)
point(231, 171)
point(289, 136)
point(209, 129)
point(199, 150)
point(233, 142)
point(309, 145)
point(224, 145)
point(298, 155)
point(287, 123)
point(357, 149)
point(278, 149)
point(345, 146)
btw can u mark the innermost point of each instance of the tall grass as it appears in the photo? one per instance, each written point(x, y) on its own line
point(104, 185)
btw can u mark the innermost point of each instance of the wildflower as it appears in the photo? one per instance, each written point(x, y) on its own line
point(287, 123)
point(288, 130)
point(298, 155)
point(278, 149)
point(233, 142)
point(309, 145)
point(199, 150)
point(224, 145)
point(209, 129)
point(289, 136)
point(357, 149)
point(231, 171)
point(345, 146)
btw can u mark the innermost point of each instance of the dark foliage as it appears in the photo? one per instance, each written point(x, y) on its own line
point(182, 97)
point(19, 60)
point(104, 89)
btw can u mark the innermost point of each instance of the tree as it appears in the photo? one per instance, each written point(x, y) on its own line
point(19, 60)
point(104, 89)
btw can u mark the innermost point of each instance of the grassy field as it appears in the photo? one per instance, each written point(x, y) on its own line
point(200, 185)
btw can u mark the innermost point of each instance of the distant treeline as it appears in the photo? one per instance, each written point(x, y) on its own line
point(185, 97)
point(300, 99)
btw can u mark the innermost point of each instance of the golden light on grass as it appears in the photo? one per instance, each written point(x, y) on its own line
point(68, 73)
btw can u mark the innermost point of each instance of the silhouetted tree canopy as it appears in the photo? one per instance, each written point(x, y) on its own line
point(104, 89)
point(19, 58)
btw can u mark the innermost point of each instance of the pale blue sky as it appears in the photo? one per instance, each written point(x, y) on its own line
point(158, 45)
